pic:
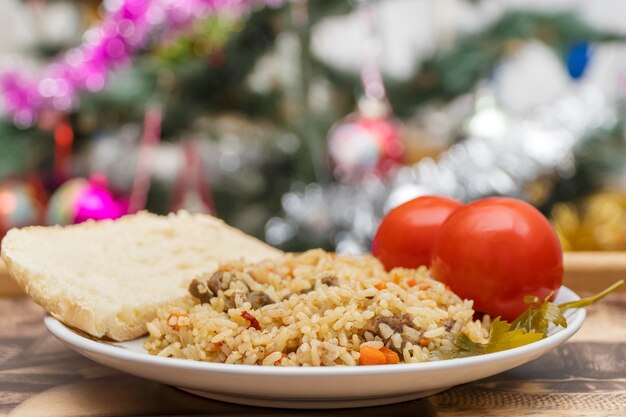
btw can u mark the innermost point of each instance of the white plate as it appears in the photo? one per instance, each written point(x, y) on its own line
point(312, 387)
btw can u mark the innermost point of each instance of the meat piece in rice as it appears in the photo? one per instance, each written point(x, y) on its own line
point(395, 322)
point(259, 299)
point(217, 282)
point(200, 290)
point(391, 330)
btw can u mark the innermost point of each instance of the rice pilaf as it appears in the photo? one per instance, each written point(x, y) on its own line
point(313, 309)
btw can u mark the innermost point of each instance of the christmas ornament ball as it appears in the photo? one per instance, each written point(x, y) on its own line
point(19, 205)
point(79, 200)
point(359, 145)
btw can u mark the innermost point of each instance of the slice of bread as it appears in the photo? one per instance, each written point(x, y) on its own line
point(108, 278)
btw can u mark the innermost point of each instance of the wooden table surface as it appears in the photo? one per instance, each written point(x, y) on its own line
point(585, 377)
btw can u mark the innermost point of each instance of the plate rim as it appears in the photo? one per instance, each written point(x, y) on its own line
point(70, 337)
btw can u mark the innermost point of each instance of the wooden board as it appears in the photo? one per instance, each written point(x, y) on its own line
point(593, 271)
point(8, 287)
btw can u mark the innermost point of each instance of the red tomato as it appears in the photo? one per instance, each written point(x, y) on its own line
point(406, 236)
point(495, 251)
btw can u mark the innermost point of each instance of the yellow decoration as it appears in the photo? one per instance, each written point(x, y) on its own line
point(596, 224)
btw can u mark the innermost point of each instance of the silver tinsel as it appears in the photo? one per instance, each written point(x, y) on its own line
point(499, 156)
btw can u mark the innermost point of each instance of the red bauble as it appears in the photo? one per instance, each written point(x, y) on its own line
point(360, 146)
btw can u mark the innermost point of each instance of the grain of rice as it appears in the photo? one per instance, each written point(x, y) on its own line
point(272, 358)
point(154, 329)
point(221, 336)
point(315, 356)
point(437, 332)
point(376, 344)
point(385, 331)
point(396, 340)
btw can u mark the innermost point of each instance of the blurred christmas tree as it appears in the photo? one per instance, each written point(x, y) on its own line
point(245, 94)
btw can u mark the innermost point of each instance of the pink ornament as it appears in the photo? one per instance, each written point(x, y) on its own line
point(79, 200)
point(360, 146)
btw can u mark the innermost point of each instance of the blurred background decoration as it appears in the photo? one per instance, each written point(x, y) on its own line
point(303, 122)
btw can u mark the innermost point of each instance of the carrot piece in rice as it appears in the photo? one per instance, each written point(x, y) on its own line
point(390, 356)
point(371, 356)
